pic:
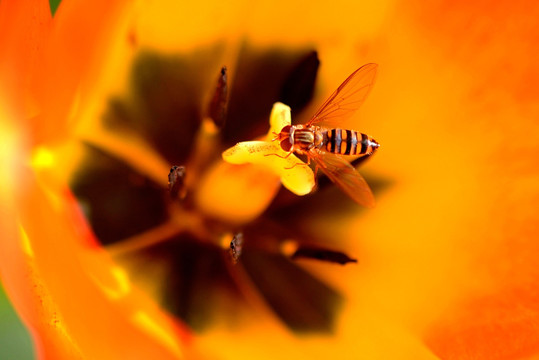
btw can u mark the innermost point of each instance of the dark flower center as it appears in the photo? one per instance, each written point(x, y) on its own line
point(168, 245)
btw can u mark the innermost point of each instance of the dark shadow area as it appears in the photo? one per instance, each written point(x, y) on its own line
point(304, 303)
point(197, 284)
point(164, 105)
point(118, 201)
point(263, 78)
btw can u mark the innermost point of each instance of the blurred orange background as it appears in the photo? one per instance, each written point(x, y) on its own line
point(447, 259)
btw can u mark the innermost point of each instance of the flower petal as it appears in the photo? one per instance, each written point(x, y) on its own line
point(70, 292)
point(24, 28)
point(279, 118)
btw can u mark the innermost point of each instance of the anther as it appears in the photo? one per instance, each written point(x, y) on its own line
point(176, 182)
point(218, 105)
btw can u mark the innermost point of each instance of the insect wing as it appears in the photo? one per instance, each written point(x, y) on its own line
point(348, 97)
point(346, 177)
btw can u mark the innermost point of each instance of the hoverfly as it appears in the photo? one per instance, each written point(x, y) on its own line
point(325, 145)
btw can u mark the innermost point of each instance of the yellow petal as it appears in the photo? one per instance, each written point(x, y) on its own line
point(294, 174)
point(279, 118)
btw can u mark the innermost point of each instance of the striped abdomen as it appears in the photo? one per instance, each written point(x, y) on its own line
point(349, 142)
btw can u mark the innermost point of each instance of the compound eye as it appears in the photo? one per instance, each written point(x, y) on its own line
point(286, 145)
point(286, 129)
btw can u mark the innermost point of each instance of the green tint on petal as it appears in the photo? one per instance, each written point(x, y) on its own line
point(54, 5)
point(15, 342)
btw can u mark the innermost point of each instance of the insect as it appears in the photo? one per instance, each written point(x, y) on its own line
point(325, 145)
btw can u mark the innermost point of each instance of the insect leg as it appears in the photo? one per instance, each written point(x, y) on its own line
point(282, 157)
point(301, 164)
point(296, 164)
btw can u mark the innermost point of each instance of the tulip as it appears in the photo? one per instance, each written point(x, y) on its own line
point(101, 260)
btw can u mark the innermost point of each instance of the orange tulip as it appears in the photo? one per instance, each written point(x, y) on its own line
point(98, 102)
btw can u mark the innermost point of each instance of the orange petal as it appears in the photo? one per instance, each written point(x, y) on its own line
point(69, 291)
point(24, 29)
point(81, 37)
point(492, 327)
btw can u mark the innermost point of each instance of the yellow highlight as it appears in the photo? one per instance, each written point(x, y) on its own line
point(153, 329)
point(11, 152)
point(279, 118)
point(122, 284)
point(42, 158)
point(25, 242)
point(123, 281)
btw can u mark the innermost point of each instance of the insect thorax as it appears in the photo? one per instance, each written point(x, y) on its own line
point(305, 138)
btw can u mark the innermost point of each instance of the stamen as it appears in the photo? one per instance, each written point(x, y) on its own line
point(145, 240)
point(176, 182)
point(236, 246)
point(321, 254)
point(217, 109)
